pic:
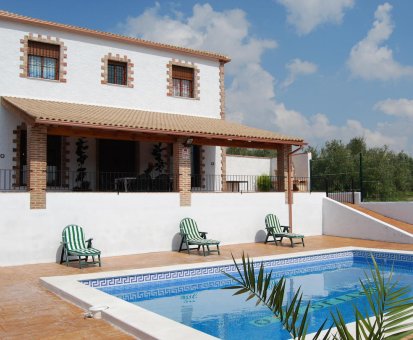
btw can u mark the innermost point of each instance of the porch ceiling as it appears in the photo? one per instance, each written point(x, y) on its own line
point(73, 119)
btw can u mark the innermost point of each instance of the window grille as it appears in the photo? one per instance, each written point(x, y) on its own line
point(183, 79)
point(43, 60)
point(117, 72)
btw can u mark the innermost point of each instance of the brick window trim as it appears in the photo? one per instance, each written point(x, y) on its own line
point(170, 84)
point(222, 90)
point(120, 59)
point(16, 154)
point(24, 58)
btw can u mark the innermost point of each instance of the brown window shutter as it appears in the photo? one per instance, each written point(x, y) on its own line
point(180, 72)
point(44, 50)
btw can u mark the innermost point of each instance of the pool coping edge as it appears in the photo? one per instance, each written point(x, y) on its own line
point(140, 322)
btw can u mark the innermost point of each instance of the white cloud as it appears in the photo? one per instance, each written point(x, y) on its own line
point(296, 68)
point(369, 59)
point(250, 95)
point(225, 32)
point(317, 129)
point(396, 107)
point(306, 15)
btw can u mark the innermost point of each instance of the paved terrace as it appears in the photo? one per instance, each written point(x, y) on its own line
point(29, 311)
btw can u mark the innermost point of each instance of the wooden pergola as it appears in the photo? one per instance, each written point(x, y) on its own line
point(44, 118)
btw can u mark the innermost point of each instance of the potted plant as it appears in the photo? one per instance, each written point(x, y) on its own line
point(264, 183)
point(81, 183)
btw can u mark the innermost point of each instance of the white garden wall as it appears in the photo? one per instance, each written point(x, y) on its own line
point(402, 211)
point(132, 223)
point(341, 220)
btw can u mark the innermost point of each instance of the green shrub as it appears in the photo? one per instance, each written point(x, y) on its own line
point(264, 183)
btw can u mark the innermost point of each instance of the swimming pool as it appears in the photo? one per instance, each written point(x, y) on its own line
point(192, 295)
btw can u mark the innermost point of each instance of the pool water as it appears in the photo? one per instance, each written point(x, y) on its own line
point(201, 302)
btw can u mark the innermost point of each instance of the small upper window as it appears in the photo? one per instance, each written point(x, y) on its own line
point(183, 81)
point(43, 60)
point(117, 72)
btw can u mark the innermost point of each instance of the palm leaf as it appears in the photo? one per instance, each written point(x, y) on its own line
point(390, 305)
point(259, 286)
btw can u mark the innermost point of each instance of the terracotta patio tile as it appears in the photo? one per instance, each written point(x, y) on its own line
point(29, 311)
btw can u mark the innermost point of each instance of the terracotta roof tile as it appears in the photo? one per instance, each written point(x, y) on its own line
point(53, 112)
point(112, 36)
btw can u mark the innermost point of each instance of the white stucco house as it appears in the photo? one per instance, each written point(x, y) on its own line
point(122, 136)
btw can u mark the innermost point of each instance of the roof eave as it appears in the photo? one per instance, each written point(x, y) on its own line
point(113, 37)
point(172, 132)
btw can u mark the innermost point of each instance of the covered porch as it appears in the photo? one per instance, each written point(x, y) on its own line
point(78, 147)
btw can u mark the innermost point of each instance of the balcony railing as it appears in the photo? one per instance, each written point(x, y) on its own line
point(12, 180)
point(246, 183)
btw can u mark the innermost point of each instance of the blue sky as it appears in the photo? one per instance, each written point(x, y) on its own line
point(318, 69)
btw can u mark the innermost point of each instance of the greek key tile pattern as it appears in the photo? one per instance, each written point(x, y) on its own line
point(148, 291)
point(214, 270)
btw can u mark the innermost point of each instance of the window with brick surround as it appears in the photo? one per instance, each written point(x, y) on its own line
point(43, 60)
point(117, 72)
point(183, 81)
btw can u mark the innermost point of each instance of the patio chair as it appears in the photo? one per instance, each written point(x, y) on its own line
point(192, 236)
point(278, 231)
point(74, 244)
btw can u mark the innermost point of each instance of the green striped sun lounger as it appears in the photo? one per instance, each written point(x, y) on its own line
point(74, 244)
point(192, 236)
point(278, 231)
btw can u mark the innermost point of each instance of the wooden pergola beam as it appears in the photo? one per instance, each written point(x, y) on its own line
point(109, 134)
point(76, 131)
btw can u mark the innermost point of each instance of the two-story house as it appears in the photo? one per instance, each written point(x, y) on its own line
point(84, 111)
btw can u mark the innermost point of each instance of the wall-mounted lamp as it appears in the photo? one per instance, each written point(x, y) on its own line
point(188, 141)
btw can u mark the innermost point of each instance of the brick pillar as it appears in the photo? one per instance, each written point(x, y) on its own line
point(182, 171)
point(36, 162)
point(282, 166)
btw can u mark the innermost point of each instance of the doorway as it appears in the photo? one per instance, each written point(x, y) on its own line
point(196, 166)
point(116, 159)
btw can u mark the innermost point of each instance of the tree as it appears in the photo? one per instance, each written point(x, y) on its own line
point(386, 175)
point(251, 152)
point(356, 146)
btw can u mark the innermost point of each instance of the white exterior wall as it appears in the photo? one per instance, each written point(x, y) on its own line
point(132, 223)
point(212, 160)
point(247, 165)
point(255, 166)
point(341, 220)
point(301, 164)
point(84, 79)
point(402, 211)
point(8, 123)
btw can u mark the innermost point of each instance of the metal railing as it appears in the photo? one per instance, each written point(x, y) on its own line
point(246, 183)
point(13, 180)
point(339, 187)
